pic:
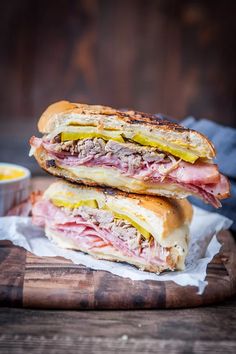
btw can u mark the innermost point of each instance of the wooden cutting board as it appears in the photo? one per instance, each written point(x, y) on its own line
point(55, 283)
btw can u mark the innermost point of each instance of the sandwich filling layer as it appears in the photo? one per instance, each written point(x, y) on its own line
point(107, 235)
point(143, 164)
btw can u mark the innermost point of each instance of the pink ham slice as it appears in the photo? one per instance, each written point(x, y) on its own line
point(219, 190)
point(84, 238)
point(45, 212)
point(202, 179)
point(199, 173)
point(35, 142)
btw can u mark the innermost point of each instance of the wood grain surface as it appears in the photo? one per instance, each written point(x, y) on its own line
point(200, 330)
point(55, 283)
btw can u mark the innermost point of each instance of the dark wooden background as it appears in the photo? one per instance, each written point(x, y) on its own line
point(169, 56)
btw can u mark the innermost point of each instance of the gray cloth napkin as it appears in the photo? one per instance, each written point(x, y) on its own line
point(224, 140)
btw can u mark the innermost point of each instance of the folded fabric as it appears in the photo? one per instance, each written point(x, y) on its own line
point(224, 140)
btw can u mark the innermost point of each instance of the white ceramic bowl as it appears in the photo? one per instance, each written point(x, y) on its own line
point(13, 191)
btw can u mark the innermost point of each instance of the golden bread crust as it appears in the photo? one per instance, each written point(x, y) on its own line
point(54, 116)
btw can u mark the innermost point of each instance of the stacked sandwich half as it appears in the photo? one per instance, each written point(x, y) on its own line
point(131, 172)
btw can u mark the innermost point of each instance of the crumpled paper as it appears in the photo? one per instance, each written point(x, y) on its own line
point(203, 247)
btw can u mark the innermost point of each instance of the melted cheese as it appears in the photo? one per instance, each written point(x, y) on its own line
point(112, 177)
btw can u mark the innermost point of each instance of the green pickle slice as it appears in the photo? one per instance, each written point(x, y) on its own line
point(92, 203)
point(141, 229)
point(106, 135)
point(178, 151)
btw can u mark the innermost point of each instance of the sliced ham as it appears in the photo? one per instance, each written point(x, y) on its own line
point(86, 240)
point(220, 189)
point(45, 212)
point(198, 173)
point(35, 142)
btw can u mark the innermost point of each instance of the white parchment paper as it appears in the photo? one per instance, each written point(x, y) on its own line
point(203, 247)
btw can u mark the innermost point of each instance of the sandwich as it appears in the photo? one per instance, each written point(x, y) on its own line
point(148, 232)
point(132, 151)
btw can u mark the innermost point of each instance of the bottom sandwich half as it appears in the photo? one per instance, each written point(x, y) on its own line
point(151, 233)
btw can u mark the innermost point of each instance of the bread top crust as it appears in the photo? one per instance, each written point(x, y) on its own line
point(57, 114)
point(174, 213)
point(131, 116)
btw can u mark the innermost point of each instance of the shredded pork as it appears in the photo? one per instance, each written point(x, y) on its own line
point(98, 147)
point(122, 229)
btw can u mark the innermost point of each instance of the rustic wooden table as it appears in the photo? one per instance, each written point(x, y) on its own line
point(199, 330)
point(208, 329)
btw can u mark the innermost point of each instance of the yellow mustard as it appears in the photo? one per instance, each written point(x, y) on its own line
point(8, 172)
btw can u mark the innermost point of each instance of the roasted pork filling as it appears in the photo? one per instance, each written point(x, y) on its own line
point(139, 162)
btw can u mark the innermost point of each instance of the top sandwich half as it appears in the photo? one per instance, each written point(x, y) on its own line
point(132, 151)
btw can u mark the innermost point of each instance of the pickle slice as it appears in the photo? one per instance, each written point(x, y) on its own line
point(92, 203)
point(89, 133)
point(141, 229)
point(178, 151)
